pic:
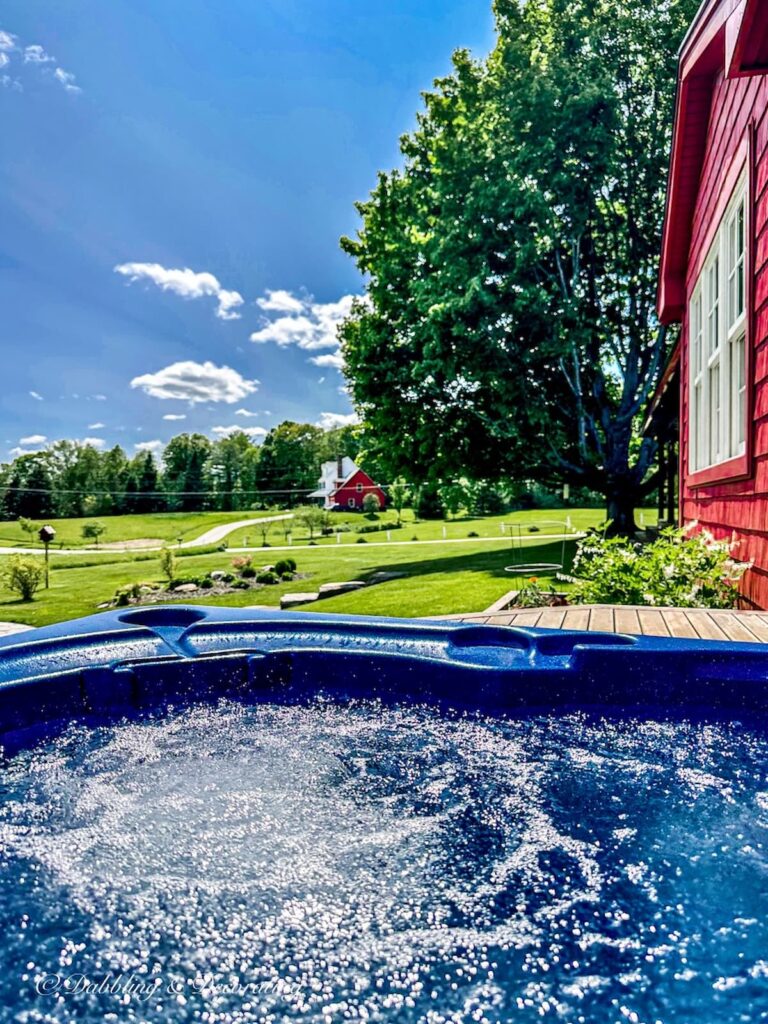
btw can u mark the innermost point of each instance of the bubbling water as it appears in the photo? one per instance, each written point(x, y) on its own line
point(336, 862)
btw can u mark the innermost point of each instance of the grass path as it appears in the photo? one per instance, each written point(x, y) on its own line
point(154, 527)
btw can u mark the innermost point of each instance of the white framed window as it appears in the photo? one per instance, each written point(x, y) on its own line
point(717, 325)
point(351, 503)
point(359, 488)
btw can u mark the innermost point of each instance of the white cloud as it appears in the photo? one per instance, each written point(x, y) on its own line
point(175, 416)
point(96, 426)
point(33, 439)
point(149, 446)
point(67, 79)
point(280, 301)
point(246, 412)
point(35, 54)
point(333, 359)
point(36, 395)
point(94, 442)
point(237, 429)
point(330, 420)
point(187, 283)
point(98, 398)
point(310, 325)
point(196, 382)
point(15, 452)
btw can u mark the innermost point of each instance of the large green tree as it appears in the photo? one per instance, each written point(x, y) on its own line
point(508, 327)
point(186, 474)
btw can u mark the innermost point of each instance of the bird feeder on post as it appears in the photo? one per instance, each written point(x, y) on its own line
point(46, 534)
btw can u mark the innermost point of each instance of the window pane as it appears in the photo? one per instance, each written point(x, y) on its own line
point(714, 413)
point(695, 431)
point(713, 306)
point(738, 393)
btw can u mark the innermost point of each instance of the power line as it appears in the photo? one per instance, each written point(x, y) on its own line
point(178, 494)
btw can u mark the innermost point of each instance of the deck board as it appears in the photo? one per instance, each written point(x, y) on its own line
point(685, 623)
point(601, 619)
point(626, 621)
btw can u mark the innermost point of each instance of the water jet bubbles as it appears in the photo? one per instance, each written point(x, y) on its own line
point(356, 861)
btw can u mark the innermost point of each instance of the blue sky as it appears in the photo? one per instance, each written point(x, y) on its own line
point(229, 138)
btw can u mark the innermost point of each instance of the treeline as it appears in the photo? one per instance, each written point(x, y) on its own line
point(193, 474)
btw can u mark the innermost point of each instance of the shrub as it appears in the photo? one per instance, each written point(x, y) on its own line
point(23, 576)
point(291, 563)
point(286, 577)
point(168, 564)
point(283, 566)
point(178, 581)
point(267, 577)
point(473, 533)
point(241, 562)
point(678, 569)
point(206, 583)
point(122, 598)
point(239, 585)
point(533, 529)
point(361, 540)
point(533, 595)
point(371, 504)
point(93, 530)
point(27, 525)
point(377, 527)
point(248, 573)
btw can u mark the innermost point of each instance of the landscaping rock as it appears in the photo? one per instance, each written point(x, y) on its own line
point(329, 589)
point(383, 576)
point(217, 574)
point(289, 600)
point(185, 588)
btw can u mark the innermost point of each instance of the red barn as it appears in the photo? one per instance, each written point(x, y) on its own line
point(714, 277)
point(343, 485)
point(351, 492)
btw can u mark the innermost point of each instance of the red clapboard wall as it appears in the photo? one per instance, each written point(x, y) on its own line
point(723, 131)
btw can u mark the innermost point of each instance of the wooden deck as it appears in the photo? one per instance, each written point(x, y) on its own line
point(692, 623)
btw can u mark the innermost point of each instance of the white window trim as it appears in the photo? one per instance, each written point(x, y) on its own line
point(717, 344)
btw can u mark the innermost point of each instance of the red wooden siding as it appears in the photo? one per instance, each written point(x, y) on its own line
point(349, 490)
point(738, 508)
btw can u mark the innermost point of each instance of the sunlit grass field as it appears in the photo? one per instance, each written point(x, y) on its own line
point(438, 578)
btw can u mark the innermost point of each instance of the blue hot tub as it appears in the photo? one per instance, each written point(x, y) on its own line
point(223, 815)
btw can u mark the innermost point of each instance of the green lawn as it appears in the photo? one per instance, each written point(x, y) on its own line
point(429, 529)
point(440, 579)
point(160, 526)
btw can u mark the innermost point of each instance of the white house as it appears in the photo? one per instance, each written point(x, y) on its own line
point(332, 476)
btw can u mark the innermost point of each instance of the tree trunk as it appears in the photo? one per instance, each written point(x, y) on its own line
point(621, 503)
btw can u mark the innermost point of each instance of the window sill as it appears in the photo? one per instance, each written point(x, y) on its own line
point(737, 468)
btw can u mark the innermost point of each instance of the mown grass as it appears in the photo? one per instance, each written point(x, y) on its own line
point(439, 579)
point(160, 526)
point(459, 528)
